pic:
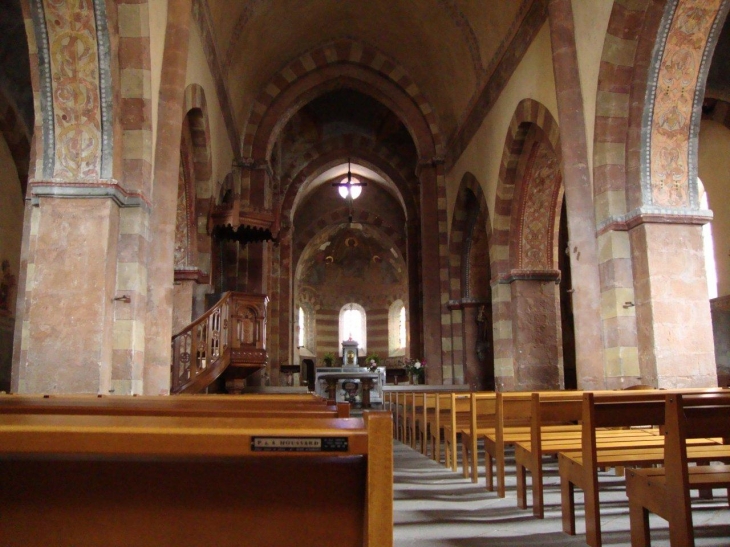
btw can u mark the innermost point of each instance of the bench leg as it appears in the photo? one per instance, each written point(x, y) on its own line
point(567, 505)
point(489, 465)
point(501, 488)
point(538, 503)
point(474, 460)
point(521, 487)
point(465, 455)
point(453, 452)
point(447, 453)
point(593, 513)
point(639, 517)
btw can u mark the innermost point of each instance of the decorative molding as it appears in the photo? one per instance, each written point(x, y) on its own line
point(530, 275)
point(46, 89)
point(721, 303)
point(87, 190)
point(106, 93)
point(192, 274)
point(649, 214)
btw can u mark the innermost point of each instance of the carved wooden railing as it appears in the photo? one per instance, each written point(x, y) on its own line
point(231, 334)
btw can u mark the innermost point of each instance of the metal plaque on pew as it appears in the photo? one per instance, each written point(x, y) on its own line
point(299, 444)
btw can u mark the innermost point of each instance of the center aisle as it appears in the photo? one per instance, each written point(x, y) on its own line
point(436, 507)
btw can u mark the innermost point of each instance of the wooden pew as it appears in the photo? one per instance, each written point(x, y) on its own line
point(119, 480)
point(482, 417)
point(580, 468)
point(513, 415)
point(457, 406)
point(665, 491)
point(546, 441)
point(181, 405)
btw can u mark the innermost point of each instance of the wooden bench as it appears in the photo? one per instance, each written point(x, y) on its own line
point(580, 468)
point(482, 417)
point(512, 425)
point(119, 480)
point(457, 407)
point(665, 491)
point(180, 405)
point(546, 441)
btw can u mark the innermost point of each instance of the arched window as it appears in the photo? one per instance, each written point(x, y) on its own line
point(306, 329)
point(708, 247)
point(302, 327)
point(353, 325)
point(397, 329)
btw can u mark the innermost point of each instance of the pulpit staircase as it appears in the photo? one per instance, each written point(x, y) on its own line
point(225, 343)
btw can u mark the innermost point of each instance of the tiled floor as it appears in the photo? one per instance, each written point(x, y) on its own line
point(434, 506)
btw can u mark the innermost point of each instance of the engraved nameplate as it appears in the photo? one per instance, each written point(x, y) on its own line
point(299, 444)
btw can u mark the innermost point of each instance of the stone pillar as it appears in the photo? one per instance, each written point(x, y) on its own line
point(720, 309)
point(182, 305)
point(504, 373)
point(472, 372)
point(536, 334)
point(579, 198)
point(457, 343)
point(672, 309)
point(431, 294)
point(66, 342)
point(160, 266)
point(413, 344)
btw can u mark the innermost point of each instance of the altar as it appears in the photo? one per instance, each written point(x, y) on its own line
point(351, 383)
point(356, 385)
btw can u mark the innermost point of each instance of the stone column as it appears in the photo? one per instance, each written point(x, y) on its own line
point(160, 267)
point(414, 289)
point(672, 308)
point(579, 198)
point(66, 342)
point(472, 373)
point(536, 332)
point(430, 276)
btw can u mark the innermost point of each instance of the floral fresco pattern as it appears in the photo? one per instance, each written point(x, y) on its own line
point(543, 181)
point(676, 85)
point(76, 103)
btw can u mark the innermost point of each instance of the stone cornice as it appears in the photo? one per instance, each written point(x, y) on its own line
point(654, 215)
point(530, 275)
point(467, 302)
point(192, 274)
point(95, 189)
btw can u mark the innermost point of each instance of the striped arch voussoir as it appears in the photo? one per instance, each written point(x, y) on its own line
point(341, 51)
point(196, 108)
point(354, 146)
point(528, 112)
point(340, 216)
point(458, 233)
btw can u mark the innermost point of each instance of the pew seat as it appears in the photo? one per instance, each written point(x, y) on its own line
point(120, 480)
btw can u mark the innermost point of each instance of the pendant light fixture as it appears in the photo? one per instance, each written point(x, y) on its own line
point(349, 187)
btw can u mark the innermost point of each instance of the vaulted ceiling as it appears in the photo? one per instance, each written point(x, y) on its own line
point(447, 47)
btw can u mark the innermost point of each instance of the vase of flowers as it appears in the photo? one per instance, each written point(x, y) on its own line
point(328, 359)
point(372, 362)
point(416, 370)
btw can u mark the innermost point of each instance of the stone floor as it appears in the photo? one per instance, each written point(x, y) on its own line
point(434, 506)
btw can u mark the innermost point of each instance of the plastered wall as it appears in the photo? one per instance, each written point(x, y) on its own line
point(199, 73)
point(534, 79)
point(714, 171)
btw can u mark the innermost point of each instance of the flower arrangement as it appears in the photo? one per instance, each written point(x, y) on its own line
point(328, 358)
point(372, 361)
point(415, 368)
